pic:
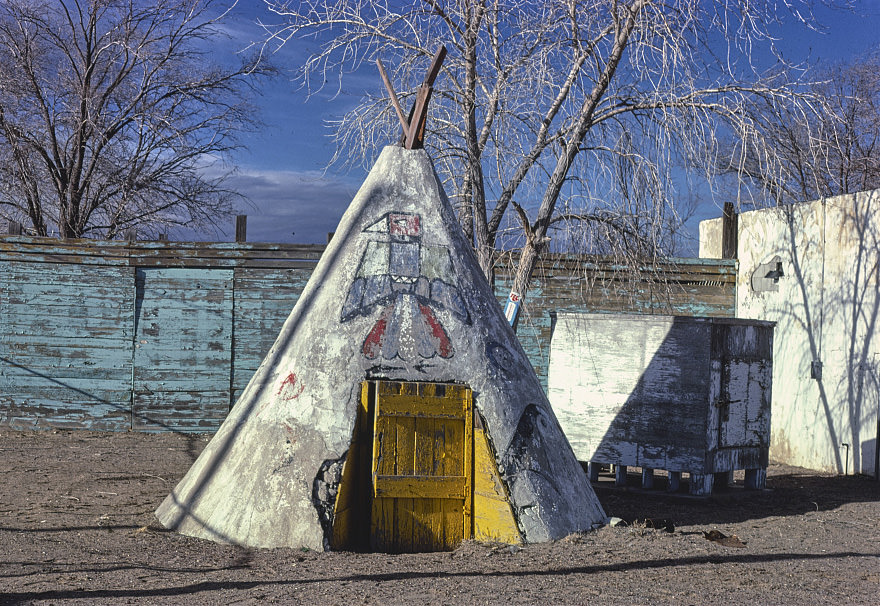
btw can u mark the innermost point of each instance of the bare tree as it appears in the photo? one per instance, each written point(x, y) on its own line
point(795, 154)
point(568, 113)
point(110, 111)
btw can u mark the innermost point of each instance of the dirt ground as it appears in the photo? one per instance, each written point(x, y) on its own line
point(76, 525)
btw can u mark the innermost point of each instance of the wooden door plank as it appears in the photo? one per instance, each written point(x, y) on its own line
point(453, 523)
point(405, 458)
point(466, 399)
point(384, 445)
point(423, 532)
point(382, 536)
point(429, 487)
point(404, 531)
point(424, 459)
point(402, 405)
point(449, 442)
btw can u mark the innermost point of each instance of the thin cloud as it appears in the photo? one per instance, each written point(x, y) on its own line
point(292, 206)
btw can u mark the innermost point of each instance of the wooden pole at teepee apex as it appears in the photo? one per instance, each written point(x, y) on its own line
point(414, 125)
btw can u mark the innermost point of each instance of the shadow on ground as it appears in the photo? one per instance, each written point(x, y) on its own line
point(790, 491)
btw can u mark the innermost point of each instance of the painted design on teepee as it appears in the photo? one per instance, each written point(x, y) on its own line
point(290, 388)
point(503, 362)
point(410, 282)
point(531, 453)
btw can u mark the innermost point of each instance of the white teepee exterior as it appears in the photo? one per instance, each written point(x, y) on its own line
point(398, 294)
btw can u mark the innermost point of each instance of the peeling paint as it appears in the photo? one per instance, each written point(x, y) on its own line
point(97, 307)
point(325, 487)
point(659, 392)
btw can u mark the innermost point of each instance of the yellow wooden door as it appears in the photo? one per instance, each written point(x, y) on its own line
point(422, 466)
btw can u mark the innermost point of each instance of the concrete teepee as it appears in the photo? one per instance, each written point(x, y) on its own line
point(397, 310)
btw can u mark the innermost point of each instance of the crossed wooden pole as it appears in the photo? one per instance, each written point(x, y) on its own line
point(414, 126)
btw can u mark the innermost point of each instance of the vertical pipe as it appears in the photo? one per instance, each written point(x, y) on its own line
point(232, 333)
point(729, 232)
point(241, 228)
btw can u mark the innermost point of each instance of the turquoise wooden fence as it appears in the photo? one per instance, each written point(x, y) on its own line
point(164, 336)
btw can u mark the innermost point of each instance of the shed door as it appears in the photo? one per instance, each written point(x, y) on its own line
point(421, 466)
point(739, 406)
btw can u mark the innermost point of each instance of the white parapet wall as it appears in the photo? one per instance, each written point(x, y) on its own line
point(813, 269)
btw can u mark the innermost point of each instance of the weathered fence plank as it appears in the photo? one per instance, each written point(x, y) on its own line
point(65, 346)
point(165, 335)
point(182, 350)
point(263, 300)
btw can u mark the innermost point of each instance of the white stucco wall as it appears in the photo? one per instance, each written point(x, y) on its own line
point(710, 238)
point(827, 310)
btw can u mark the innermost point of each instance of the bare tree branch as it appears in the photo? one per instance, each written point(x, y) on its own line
point(110, 113)
point(793, 155)
point(572, 108)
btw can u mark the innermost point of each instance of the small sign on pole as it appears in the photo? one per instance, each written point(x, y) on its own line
point(511, 310)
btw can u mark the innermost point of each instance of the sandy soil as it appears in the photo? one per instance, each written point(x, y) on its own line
point(76, 525)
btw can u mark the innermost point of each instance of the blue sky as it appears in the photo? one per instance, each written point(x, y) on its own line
point(281, 168)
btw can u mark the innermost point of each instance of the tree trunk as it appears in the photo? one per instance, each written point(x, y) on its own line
point(537, 238)
point(475, 177)
point(528, 260)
